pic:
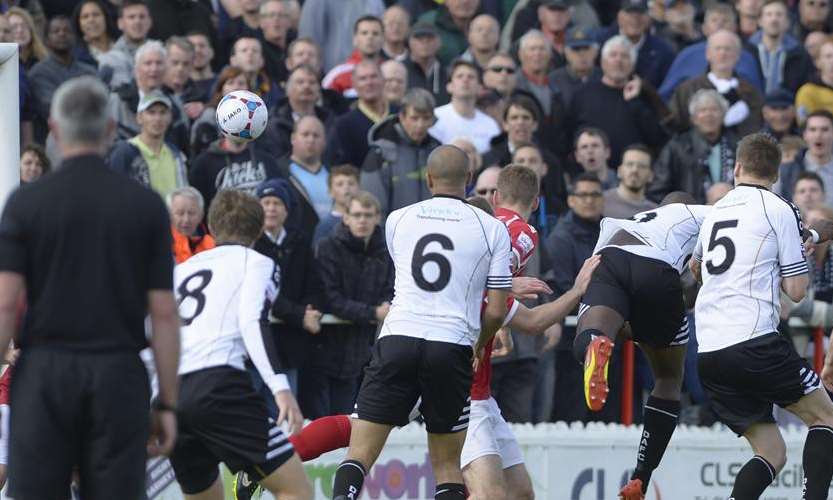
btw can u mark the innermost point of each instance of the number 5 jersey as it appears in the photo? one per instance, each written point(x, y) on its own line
point(748, 243)
point(224, 296)
point(445, 253)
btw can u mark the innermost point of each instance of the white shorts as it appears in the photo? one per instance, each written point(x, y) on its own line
point(4, 434)
point(489, 434)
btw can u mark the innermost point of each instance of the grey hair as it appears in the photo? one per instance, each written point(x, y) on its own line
point(148, 47)
point(620, 41)
point(263, 4)
point(188, 192)
point(735, 38)
point(419, 100)
point(529, 35)
point(79, 110)
point(703, 95)
point(181, 42)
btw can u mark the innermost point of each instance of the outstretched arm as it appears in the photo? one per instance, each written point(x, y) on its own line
point(536, 320)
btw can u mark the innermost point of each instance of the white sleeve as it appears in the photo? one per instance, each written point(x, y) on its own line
point(500, 275)
point(390, 227)
point(787, 225)
point(260, 287)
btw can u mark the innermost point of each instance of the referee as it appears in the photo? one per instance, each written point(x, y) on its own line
point(91, 249)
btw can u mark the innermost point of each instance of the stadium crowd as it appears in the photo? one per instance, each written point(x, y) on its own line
point(614, 105)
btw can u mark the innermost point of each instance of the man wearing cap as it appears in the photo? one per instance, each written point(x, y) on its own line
point(580, 50)
point(654, 55)
point(148, 158)
point(779, 114)
point(452, 22)
point(424, 69)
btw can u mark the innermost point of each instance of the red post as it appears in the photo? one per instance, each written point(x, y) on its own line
point(818, 349)
point(627, 383)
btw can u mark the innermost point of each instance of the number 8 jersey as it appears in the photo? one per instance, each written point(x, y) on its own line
point(224, 296)
point(749, 241)
point(445, 253)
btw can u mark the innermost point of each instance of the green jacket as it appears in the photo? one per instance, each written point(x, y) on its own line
point(454, 41)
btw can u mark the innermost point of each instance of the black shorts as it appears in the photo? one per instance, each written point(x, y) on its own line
point(222, 419)
point(404, 368)
point(646, 292)
point(82, 409)
point(743, 381)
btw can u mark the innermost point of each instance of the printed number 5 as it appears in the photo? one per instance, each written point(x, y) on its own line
point(725, 242)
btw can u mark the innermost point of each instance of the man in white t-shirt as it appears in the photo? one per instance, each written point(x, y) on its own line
point(750, 249)
point(460, 117)
point(445, 253)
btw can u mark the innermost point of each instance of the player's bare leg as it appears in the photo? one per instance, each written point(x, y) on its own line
point(816, 410)
point(445, 450)
point(760, 471)
point(485, 480)
point(289, 481)
point(597, 329)
point(214, 492)
point(366, 442)
point(518, 482)
point(660, 416)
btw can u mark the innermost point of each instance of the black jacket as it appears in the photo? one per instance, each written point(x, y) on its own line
point(798, 66)
point(571, 242)
point(355, 280)
point(683, 165)
point(300, 286)
point(281, 123)
point(553, 185)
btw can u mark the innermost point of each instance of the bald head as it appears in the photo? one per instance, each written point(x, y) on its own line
point(447, 168)
point(678, 197)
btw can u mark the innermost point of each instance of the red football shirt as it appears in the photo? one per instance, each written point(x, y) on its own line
point(524, 240)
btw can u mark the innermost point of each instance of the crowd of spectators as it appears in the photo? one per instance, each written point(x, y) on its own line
point(614, 105)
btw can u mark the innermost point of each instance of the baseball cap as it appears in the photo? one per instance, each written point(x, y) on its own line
point(634, 6)
point(423, 29)
point(578, 37)
point(779, 98)
point(555, 4)
point(278, 188)
point(151, 98)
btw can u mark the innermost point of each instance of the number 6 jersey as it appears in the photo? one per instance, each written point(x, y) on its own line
point(750, 240)
point(445, 253)
point(224, 296)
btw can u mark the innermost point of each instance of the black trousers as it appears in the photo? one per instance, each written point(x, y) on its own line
point(78, 409)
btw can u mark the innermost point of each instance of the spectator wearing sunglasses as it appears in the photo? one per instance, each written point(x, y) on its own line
point(500, 74)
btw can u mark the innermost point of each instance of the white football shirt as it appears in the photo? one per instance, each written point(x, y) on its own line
point(445, 253)
point(224, 296)
point(748, 243)
point(669, 232)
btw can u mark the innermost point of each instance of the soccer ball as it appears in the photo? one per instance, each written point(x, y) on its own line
point(242, 114)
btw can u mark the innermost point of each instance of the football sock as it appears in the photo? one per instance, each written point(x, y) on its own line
point(322, 435)
point(450, 491)
point(818, 462)
point(660, 420)
point(349, 479)
point(753, 479)
point(582, 342)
